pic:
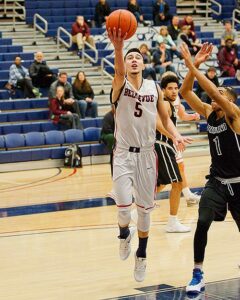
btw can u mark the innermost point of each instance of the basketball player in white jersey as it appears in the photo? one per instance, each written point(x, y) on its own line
point(137, 102)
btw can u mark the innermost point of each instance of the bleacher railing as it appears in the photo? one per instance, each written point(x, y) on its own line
point(209, 8)
point(60, 40)
point(104, 72)
point(235, 18)
point(16, 8)
point(37, 26)
point(85, 55)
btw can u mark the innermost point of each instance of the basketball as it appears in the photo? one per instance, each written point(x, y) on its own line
point(123, 19)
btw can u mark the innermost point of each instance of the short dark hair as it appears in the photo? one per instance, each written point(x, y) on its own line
point(62, 73)
point(232, 92)
point(168, 79)
point(227, 22)
point(212, 69)
point(132, 50)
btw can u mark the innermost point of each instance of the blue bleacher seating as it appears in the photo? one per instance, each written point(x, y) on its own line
point(73, 136)
point(34, 139)
point(54, 137)
point(14, 140)
point(92, 134)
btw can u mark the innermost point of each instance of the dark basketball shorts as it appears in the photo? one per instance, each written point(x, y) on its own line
point(221, 198)
point(168, 170)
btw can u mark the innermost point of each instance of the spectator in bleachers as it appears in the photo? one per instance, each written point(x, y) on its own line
point(211, 74)
point(188, 21)
point(228, 59)
point(184, 37)
point(102, 11)
point(229, 33)
point(19, 78)
point(69, 102)
point(174, 29)
point(40, 73)
point(81, 33)
point(149, 71)
point(83, 92)
point(60, 114)
point(161, 13)
point(134, 8)
point(165, 37)
point(162, 60)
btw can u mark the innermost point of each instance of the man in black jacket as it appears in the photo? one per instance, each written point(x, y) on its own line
point(161, 13)
point(102, 11)
point(173, 28)
point(40, 73)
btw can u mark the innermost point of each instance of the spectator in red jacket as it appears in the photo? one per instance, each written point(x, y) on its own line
point(228, 60)
point(188, 20)
point(81, 33)
point(58, 112)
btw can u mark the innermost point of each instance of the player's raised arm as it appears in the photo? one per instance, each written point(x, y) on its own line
point(169, 126)
point(186, 89)
point(119, 66)
point(225, 97)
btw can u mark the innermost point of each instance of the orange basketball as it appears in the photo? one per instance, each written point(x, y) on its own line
point(123, 19)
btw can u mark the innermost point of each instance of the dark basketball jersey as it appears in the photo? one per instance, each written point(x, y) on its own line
point(162, 137)
point(224, 148)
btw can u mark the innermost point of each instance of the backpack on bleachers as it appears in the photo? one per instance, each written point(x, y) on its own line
point(73, 156)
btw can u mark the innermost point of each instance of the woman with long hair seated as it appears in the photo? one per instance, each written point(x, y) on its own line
point(83, 92)
point(59, 113)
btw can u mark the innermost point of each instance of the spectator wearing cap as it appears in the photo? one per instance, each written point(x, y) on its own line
point(228, 59)
point(81, 33)
point(211, 74)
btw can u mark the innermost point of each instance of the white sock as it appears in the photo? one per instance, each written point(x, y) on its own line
point(186, 192)
point(172, 219)
point(198, 266)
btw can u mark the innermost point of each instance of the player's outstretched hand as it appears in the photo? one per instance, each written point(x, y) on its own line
point(116, 38)
point(181, 141)
point(186, 55)
point(203, 54)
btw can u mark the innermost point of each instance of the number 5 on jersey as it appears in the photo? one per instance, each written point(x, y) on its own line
point(138, 110)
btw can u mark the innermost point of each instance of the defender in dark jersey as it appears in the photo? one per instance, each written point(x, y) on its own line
point(168, 170)
point(223, 187)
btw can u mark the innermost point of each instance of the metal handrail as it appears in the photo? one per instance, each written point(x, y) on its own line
point(209, 8)
point(234, 18)
point(84, 54)
point(59, 39)
point(36, 26)
point(104, 72)
point(15, 13)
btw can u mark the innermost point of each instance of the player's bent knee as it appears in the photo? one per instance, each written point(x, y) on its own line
point(124, 216)
point(206, 216)
point(143, 223)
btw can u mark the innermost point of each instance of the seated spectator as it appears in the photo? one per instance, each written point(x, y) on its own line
point(211, 74)
point(183, 37)
point(81, 33)
point(59, 113)
point(188, 21)
point(165, 37)
point(83, 92)
point(229, 33)
point(19, 78)
point(108, 125)
point(102, 11)
point(161, 13)
point(40, 73)
point(149, 71)
point(134, 8)
point(162, 60)
point(228, 59)
point(174, 29)
point(69, 103)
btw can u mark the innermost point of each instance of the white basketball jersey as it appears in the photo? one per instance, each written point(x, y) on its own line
point(136, 115)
